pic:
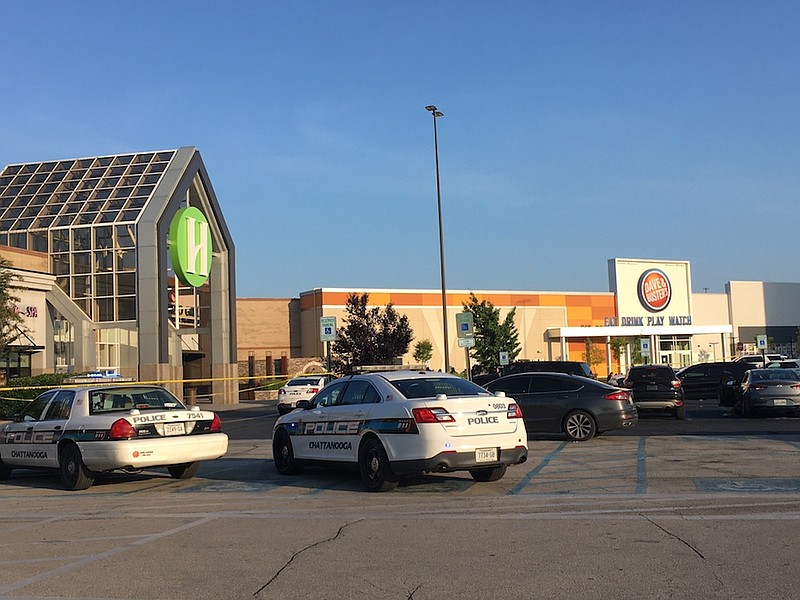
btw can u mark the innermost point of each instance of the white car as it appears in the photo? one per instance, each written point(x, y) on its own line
point(402, 423)
point(88, 430)
point(299, 388)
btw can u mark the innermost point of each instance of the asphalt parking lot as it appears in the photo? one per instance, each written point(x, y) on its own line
point(706, 508)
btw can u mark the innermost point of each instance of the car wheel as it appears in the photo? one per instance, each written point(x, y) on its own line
point(680, 413)
point(488, 474)
point(376, 472)
point(579, 426)
point(5, 470)
point(283, 455)
point(74, 474)
point(184, 470)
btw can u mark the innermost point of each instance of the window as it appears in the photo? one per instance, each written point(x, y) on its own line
point(511, 386)
point(329, 394)
point(548, 383)
point(360, 392)
point(34, 410)
point(60, 406)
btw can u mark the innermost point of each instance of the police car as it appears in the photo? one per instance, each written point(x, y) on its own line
point(399, 423)
point(88, 430)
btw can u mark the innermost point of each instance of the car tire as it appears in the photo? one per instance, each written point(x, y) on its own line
point(488, 474)
point(184, 470)
point(579, 426)
point(74, 474)
point(376, 472)
point(5, 470)
point(680, 413)
point(283, 454)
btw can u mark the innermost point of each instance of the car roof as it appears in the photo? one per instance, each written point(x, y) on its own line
point(408, 374)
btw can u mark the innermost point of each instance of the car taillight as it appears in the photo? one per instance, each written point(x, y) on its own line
point(281, 391)
point(623, 396)
point(216, 423)
point(121, 430)
point(676, 383)
point(514, 411)
point(432, 415)
point(313, 390)
point(796, 386)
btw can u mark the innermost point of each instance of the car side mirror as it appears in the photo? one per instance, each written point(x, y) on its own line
point(304, 404)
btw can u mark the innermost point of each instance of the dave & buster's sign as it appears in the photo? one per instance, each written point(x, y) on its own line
point(654, 290)
point(651, 293)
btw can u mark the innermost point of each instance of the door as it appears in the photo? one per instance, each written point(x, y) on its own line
point(19, 445)
point(554, 396)
point(48, 431)
point(351, 409)
point(315, 426)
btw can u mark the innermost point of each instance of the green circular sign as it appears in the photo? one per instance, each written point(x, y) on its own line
point(190, 246)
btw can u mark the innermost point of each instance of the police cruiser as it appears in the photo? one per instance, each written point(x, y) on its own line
point(88, 430)
point(402, 423)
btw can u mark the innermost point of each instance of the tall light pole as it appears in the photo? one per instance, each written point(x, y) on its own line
point(436, 114)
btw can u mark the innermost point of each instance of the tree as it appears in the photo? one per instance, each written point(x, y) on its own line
point(423, 351)
point(593, 355)
point(371, 336)
point(10, 318)
point(492, 336)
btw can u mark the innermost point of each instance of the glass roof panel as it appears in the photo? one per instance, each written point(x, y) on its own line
point(80, 191)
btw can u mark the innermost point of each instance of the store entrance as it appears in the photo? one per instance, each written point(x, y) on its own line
point(675, 350)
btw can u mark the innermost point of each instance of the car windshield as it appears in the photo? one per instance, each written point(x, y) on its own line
point(430, 387)
point(775, 375)
point(304, 381)
point(126, 398)
point(653, 374)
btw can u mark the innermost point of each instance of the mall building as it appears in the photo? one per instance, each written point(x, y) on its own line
point(650, 305)
point(124, 264)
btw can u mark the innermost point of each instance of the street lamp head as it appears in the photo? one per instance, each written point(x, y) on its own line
point(434, 110)
point(431, 108)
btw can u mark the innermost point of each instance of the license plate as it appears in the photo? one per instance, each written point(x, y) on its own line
point(483, 455)
point(779, 402)
point(652, 388)
point(174, 429)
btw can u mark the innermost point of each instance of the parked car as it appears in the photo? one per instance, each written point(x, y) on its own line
point(789, 363)
point(578, 407)
point(89, 430)
point(774, 389)
point(299, 388)
point(656, 387)
point(713, 381)
point(757, 361)
point(537, 366)
point(397, 423)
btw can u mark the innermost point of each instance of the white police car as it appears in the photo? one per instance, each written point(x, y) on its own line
point(87, 430)
point(399, 423)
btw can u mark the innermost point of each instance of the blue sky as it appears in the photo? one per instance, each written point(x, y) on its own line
point(573, 132)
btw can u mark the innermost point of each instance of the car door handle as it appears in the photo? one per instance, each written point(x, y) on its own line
point(360, 413)
point(561, 396)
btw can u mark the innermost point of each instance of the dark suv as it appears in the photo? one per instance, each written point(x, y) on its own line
point(715, 380)
point(569, 367)
point(656, 387)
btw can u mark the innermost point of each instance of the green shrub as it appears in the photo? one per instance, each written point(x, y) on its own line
point(10, 407)
point(28, 388)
